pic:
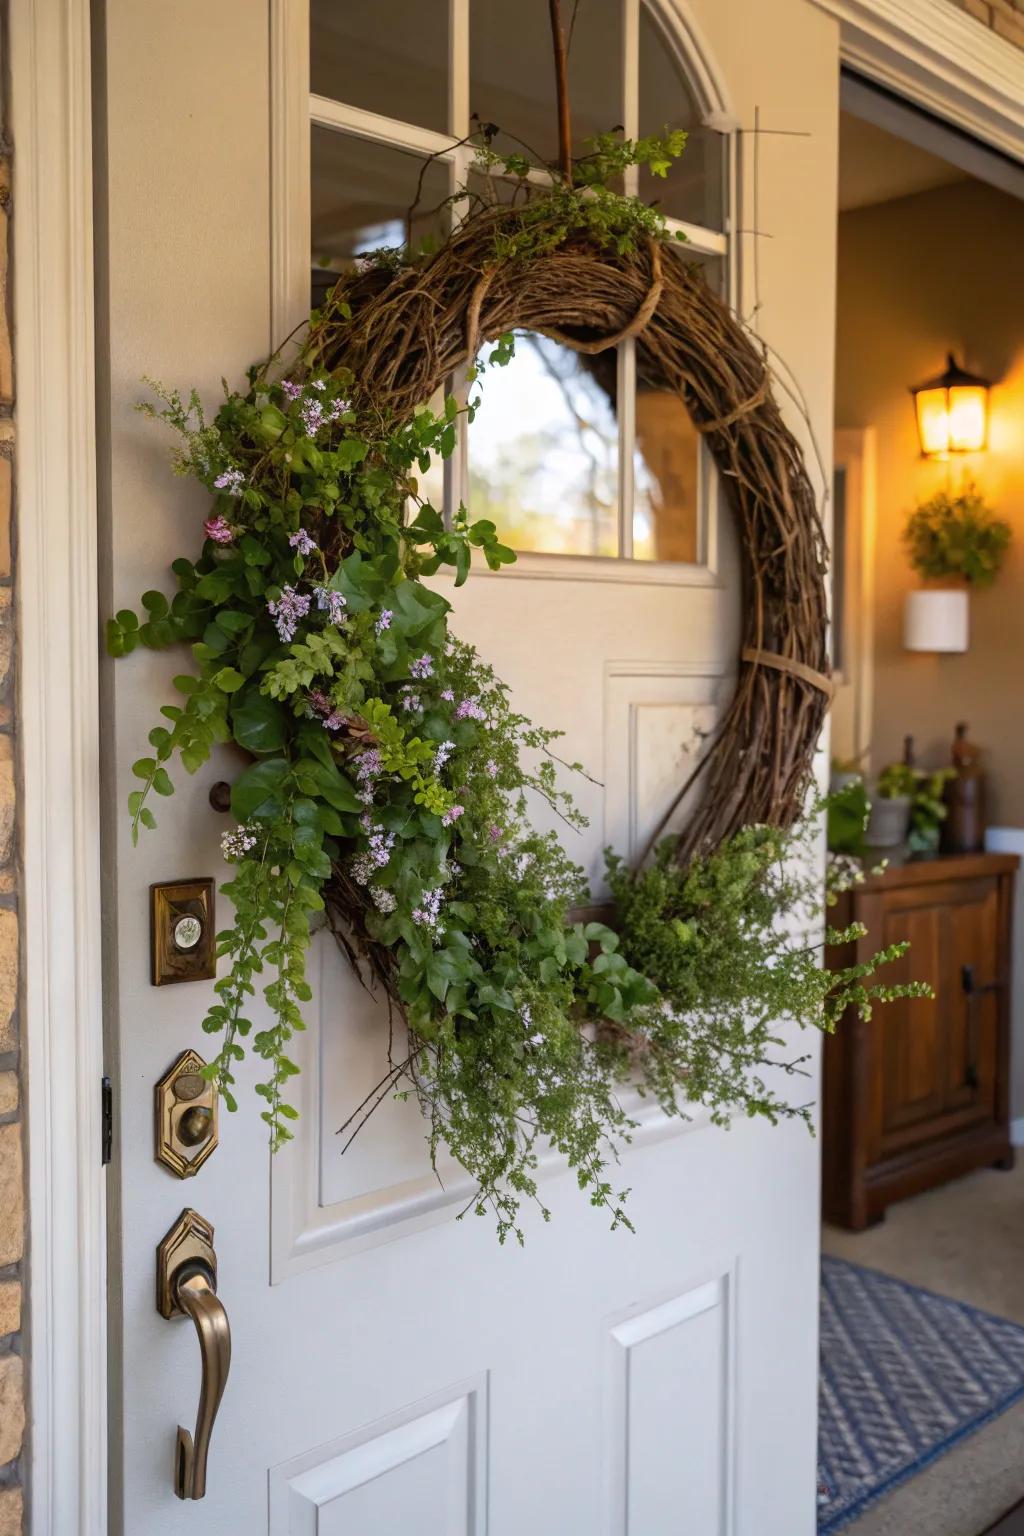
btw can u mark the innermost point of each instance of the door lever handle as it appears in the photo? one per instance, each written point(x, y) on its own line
point(193, 1289)
point(972, 987)
point(186, 1286)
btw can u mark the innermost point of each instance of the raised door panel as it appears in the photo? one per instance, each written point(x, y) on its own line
point(422, 1470)
point(671, 1371)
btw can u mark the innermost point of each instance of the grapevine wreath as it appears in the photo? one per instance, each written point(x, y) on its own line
point(390, 777)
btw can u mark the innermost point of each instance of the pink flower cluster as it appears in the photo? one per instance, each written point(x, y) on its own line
point(333, 719)
point(366, 865)
point(314, 413)
point(428, 913)
point(232, 481)
point(287, 610)
point(219, 530)
point(332, 603)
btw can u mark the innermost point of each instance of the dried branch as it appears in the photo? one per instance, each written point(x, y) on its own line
point(561, 90)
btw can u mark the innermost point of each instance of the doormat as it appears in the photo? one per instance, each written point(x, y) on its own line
point(905, 1375)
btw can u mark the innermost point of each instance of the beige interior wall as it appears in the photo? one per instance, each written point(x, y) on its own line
point(917, 277)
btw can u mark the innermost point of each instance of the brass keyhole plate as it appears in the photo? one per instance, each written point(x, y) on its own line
point(190, 1240)
point(186, 1116)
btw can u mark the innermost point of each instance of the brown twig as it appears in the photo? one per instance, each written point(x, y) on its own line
point(408, 331)
point(561, 90)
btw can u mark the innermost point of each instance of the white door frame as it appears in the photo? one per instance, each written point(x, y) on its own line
point(58, 732)
point(924, 49)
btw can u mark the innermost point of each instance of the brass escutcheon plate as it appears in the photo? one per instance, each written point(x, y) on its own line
point(190, 1240)
point(182, 931)
point(186, 1116)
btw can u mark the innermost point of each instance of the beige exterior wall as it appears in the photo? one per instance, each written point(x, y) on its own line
point(918, 276)
point(12, 1202)
point(1005, 17)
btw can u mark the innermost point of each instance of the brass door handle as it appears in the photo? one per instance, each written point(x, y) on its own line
point(186, 1286)
point(194, 1292)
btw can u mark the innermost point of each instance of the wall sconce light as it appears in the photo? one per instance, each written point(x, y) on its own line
point(936, 620)
point(952, 412)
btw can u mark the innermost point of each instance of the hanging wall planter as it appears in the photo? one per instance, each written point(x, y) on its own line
point(937, 619)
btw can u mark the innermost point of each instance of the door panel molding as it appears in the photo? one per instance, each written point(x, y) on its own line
point(940, 58)
point(675, 1341)
point(307, 1232)
point(640, 696)
point(59, 796)
point(443, 1438)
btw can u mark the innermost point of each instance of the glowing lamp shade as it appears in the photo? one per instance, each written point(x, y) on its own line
point(952, 412)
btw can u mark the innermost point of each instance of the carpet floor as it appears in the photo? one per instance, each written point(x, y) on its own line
point(965, 1241)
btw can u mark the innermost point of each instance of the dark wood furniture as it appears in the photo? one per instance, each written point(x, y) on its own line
point(1012, 1523)
point(919, 1093)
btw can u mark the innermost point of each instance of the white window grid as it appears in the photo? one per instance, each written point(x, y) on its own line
point(459, 158)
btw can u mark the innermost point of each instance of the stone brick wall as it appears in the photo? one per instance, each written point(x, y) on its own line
point(1004, 17)
point(12, 1199)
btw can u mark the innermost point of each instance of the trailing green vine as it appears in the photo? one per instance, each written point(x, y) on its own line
point(389, 790)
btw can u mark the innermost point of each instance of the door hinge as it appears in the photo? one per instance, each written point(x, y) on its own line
point(107, 1117)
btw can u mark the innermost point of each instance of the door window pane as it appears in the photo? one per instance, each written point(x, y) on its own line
point(361, 194)
point(544, 449)
point(694, 188)
point(389, 57)
point(666, 475)
point(512, 72)
point(667, 455)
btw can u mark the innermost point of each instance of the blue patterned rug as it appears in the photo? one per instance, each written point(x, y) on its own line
point(905, 1375)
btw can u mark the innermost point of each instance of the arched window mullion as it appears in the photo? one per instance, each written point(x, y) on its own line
point(641, 425)
point(361, 124)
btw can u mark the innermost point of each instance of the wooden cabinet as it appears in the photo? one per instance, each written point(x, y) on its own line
point(919, 1093)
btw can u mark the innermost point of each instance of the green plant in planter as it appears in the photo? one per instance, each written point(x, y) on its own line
point(957, 536)
point(923, 788)
point(848, 810)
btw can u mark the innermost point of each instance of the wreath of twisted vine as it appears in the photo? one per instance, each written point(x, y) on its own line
point(391, 779)
point(404, 334)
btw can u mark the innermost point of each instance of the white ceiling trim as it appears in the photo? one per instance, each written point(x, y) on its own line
point(937, 56)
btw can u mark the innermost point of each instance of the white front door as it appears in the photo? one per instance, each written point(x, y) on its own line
point(393, 1369)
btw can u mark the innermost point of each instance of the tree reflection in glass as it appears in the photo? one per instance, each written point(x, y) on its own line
point(666, 469)
point(544, 448)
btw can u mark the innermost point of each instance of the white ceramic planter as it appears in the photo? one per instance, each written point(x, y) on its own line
point(936, 620)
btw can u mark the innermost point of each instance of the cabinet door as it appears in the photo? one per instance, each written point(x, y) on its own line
point(934, 1059)
point(970, 947)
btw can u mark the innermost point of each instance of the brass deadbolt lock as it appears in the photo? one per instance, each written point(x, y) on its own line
point(186, 1116)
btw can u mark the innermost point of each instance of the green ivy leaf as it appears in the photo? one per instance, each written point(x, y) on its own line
point(228, 680)
point(155, 604)
point(257, 723)
point(258, 795)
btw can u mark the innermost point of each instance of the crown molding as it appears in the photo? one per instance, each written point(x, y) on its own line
point(941, 59)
